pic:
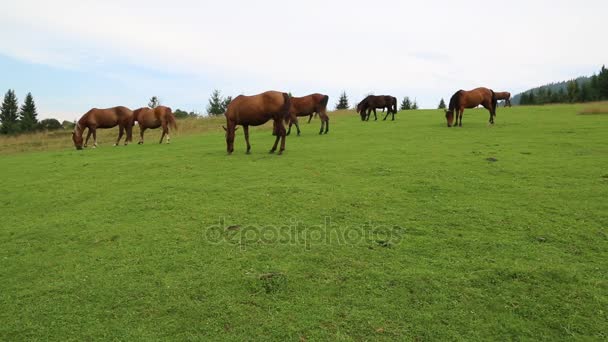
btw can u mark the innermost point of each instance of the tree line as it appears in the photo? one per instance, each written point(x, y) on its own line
point(582, 89)
point(15, 119)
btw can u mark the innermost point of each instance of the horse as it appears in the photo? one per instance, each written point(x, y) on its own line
point(470, 99)
point(257, 110)
point(155, 118)
point(307, 106)
point(372, 102)
point(103, 118)
point(504, 95)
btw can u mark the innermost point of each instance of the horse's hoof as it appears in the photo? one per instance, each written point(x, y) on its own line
point(280, 153)
point(271, 151)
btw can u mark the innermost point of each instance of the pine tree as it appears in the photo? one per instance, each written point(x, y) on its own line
point(8, 113)
point(602, 83)
point(154, 102)
point(441, 104)
point(342, 102)
point(415, 105)
point(227, 101)
point(531, 98)
point(217, 105)
point(406, 104)
point(28, 114)
point(572, 91)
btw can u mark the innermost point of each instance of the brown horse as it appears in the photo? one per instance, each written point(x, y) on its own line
point(372, 102)
point(470, 99)
point(504, 95)
point(257, 110)
point(155, 118)
point(307, 106)
point(103, 118)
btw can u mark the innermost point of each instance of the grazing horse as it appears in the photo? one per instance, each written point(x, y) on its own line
point(307, 106)
point(470, 99)
point(504, 95)
point(372, 102)
point(155, 118)
point(103, 118)
point(257, 110)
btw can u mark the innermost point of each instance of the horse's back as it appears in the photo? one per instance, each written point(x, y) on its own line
point(255, 109)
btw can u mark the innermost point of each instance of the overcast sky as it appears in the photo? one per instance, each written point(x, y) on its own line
point(75, 55)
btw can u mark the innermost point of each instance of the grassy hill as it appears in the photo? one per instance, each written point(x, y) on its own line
point(378, 230)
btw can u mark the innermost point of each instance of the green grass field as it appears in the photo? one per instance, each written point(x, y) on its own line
point(379, 230)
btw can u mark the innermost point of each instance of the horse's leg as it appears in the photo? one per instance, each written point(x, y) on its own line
point(375, 115)
point(275, 132)
point(121, 131)
point(86, 142)
point(141, 134)
point(129, 137)
point(289, 130)
point(298, 126)
point(387, 114)
point(165, 132)
point(310, 117)
point(94, 137)
point(281, 132)
point(326, 123)
point(246, 131)
point(461, 113)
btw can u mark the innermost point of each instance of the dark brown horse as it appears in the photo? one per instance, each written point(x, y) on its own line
point(307, 106)
point(504, 95)
point(373, 102)
point(257, 110)
point(103, 118)
point(470, 99)
point(155, 118)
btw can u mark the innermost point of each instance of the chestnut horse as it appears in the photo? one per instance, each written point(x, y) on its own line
point(103, 118)
point(155, 118)
point(257, 110)
point(307, 106)
point(470, 99)
point(504, 95)
point(372, 102)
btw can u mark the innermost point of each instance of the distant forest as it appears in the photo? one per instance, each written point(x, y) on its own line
point(582, 89)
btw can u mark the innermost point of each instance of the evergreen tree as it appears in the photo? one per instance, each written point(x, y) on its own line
point(28, 114)
point(406, 104)
point(216, 104)
point(8, 113)
point(531, 98)
point(415, 105)
point(228, 99)
point(342, 102)
point(573, 91)
point(441, 104)
point(602, 84)
point(154, 102)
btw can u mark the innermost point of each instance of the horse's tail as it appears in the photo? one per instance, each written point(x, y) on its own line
point(171, 119)
point(494, 101)
point(286, 108)
point(324, 101)
point(394, 99)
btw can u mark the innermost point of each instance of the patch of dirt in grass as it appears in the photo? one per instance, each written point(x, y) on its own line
point(492, 160)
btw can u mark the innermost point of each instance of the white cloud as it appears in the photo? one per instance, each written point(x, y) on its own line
point(431, 48)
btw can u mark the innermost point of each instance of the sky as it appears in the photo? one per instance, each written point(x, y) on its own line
point(76, 55)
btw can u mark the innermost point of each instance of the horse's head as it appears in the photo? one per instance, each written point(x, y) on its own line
point(77, 136)
point(230, 138)
point(449, 116)
point(361, 110)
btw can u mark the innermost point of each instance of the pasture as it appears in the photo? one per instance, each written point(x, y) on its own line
point(378, 230)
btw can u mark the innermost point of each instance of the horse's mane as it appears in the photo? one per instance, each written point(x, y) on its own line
point(455, 101)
